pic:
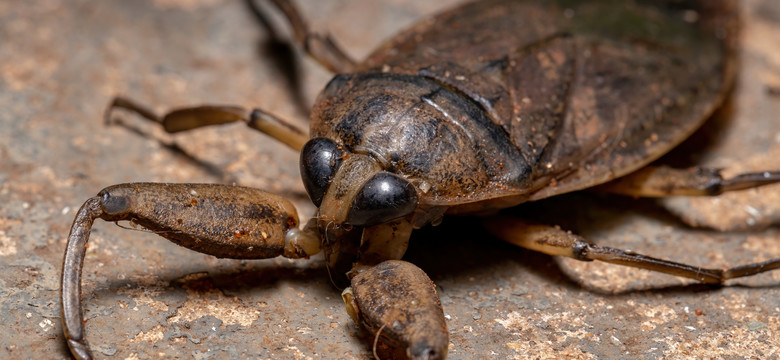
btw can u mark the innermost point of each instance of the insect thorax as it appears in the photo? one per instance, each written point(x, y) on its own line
point(437, 138)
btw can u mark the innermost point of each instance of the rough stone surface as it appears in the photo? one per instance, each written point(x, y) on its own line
point(62, 61)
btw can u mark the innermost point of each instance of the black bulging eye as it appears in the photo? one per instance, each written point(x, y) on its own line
point(320, 158)
point(384, 197)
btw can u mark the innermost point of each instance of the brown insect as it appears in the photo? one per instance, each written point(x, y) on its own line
point(481, 108)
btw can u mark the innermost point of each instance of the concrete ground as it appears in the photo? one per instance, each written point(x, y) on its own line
point(62, 61)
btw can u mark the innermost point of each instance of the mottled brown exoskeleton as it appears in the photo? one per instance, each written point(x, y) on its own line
point(481, 108)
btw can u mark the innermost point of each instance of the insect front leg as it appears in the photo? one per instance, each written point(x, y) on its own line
point(397, 302)
point(224, 221)
point(555, 241)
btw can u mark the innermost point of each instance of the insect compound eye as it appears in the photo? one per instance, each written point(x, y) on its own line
point(382, 198)
point(320, 158)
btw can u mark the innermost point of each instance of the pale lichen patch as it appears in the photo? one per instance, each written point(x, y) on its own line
point(7, 246)
point(534, 342)
point(655, 315)
point(230, 310)
point(46, 325)
point(142, 295)
point(296, 353)
point(154, 335)
point(146, 300)
point(721, 344)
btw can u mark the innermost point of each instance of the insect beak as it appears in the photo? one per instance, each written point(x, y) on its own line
point(345, 186)
point(381, 198)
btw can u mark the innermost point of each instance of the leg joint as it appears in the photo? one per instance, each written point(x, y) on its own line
point(580, 250)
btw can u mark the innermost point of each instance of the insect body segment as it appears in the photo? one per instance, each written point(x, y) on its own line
point(416, 127)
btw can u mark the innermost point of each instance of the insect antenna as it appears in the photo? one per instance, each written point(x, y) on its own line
point(376, 340)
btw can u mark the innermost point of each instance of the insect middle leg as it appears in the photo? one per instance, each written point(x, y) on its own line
point(199, 116)
point(555, 241)
point(320, 47)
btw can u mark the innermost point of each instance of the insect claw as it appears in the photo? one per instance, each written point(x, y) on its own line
point(70, 297)
point(79, 349)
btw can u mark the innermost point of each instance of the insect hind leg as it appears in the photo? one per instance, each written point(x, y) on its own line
point(320, 47)
point(662, 181)
point(555, 241)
